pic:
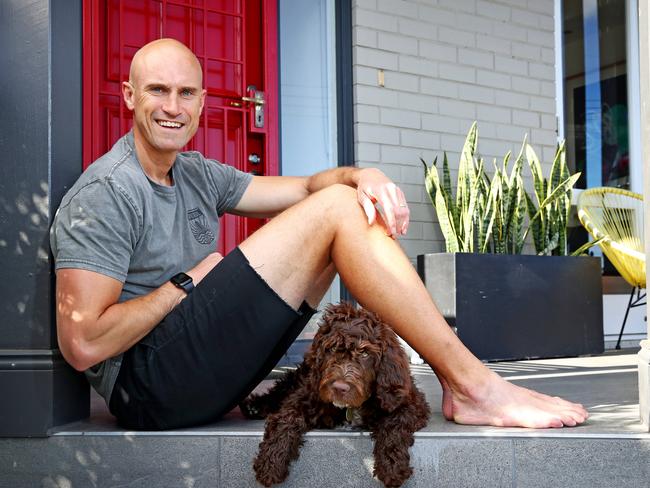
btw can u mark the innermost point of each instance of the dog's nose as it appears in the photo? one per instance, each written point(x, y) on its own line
point(341, 386)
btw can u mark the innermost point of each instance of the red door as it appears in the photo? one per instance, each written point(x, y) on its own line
point(236, 43)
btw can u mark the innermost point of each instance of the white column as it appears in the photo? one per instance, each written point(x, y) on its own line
point(644, 75)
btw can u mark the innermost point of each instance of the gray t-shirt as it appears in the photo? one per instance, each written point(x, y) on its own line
point(116, 221)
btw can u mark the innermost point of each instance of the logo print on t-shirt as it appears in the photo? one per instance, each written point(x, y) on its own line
point(199, 226)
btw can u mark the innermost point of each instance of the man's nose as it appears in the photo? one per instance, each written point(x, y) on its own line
point(171, 105)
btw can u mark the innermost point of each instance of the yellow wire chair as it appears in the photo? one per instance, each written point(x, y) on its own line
point(616, 216)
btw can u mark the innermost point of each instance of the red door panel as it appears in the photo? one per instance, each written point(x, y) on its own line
point(236, 43)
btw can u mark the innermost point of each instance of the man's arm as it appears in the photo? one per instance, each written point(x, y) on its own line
point(92, 326)
point(267, 196)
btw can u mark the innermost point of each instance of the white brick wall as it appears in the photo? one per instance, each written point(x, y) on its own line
point(447, 63)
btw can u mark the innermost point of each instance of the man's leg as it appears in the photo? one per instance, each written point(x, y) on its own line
point(292, 251)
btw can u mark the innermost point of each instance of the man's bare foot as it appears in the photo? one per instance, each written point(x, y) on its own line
point(501, 404)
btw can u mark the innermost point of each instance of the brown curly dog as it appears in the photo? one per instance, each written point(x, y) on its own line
point(355, 373)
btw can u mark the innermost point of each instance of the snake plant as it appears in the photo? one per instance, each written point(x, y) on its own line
point(489, 215)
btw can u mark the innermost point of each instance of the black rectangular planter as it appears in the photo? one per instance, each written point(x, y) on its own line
point(518, 306)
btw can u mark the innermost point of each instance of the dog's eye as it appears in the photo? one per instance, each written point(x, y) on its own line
point(364, 354)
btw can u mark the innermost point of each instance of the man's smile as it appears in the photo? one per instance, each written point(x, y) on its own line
point(169, 124)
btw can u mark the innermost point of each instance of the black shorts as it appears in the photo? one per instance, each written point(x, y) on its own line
point(208, 353)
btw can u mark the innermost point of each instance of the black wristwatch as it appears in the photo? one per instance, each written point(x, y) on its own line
point(183, 281)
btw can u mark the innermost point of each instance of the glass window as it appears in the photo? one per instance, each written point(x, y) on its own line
point(595, 91)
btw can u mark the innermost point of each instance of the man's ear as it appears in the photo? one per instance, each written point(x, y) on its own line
point(128, 92)
point(203, 92)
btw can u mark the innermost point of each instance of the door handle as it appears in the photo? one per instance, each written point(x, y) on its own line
point(257, 99)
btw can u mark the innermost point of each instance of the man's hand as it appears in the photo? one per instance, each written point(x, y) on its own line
point(377, 193)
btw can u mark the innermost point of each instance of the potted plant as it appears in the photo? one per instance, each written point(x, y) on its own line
point(505, 304)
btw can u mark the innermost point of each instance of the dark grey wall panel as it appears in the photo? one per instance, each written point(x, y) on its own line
point(24, 174)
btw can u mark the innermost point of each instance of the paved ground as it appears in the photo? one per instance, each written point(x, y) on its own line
point(606, 385)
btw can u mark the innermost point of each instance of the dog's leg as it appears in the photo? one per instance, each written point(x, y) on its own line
point(393, 435)
point(260, 406)
point(281, 444)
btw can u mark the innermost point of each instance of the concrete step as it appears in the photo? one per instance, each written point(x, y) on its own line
point(612, 449)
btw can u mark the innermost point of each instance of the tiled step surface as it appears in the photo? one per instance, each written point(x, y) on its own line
point(612, 449)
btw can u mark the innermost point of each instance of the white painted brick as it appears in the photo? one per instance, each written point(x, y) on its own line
point(493, 79)
point(440, 88)
point(548, 55)
point(548, 154)
point(490, 148)
point(367, 113)
point(493, 44)
point(431, 233)
point(437, 51)
point(397, 43)
point(367, 4)
point(546, 137)
point(418, 66)
point(547, 88)
point(541, 38)
point(422, 103)
point(541, 71)
point(374, 20)
point(421, 212)
point(375, 58)
point(400, 154)
point(526, 118)
point(464, 5)
point(510, 65)
point(417, 29)
point(451, 142)
point(412, 174)
point(546, 22)
point(412, 192)
point(541, 6)
point(493, 10)
point(437, 15)
point(542, 104)
point(376, 133)
point(398, 7)
point(478, 59)
point(365, 37)
point(456, 72)
point(493, 114)
point(419, 138)
point(474, 93)
point(511, 132)
point(456, 108)
point(512, 32)
point(485, 130)
point(511, 99)
point(371, 95)
point(440, 123)
point(400, 118)
point(415, 231)
point(364, 75)
point(526, 51)
point(456, 37)
point(549, 122)
point(367, 151)
point(474, 23)
point(402, 82)
point(526, 85)
point(525, 18)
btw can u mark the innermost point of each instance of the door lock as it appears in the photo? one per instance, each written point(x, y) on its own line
point(257, 99)
point(254, 158)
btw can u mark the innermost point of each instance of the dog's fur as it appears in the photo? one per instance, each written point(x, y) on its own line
point(357, 369)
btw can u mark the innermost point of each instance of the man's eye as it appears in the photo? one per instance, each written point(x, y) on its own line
point(156, 90)
point(186, 93)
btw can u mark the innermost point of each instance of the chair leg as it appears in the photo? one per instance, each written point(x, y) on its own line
point(627, 311)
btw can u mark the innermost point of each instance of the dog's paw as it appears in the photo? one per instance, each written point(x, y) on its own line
point(392, 476)
point(250, 410)
point(268, 473)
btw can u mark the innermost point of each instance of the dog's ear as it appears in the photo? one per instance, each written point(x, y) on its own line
point(393, 375)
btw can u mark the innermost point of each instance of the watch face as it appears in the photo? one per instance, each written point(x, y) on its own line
point(181, 279)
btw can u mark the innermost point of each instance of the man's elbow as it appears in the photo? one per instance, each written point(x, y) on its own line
point(78, 354)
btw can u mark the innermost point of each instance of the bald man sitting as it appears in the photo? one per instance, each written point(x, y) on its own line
point(172, 334)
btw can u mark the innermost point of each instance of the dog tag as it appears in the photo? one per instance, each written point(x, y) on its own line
point(349, 415)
